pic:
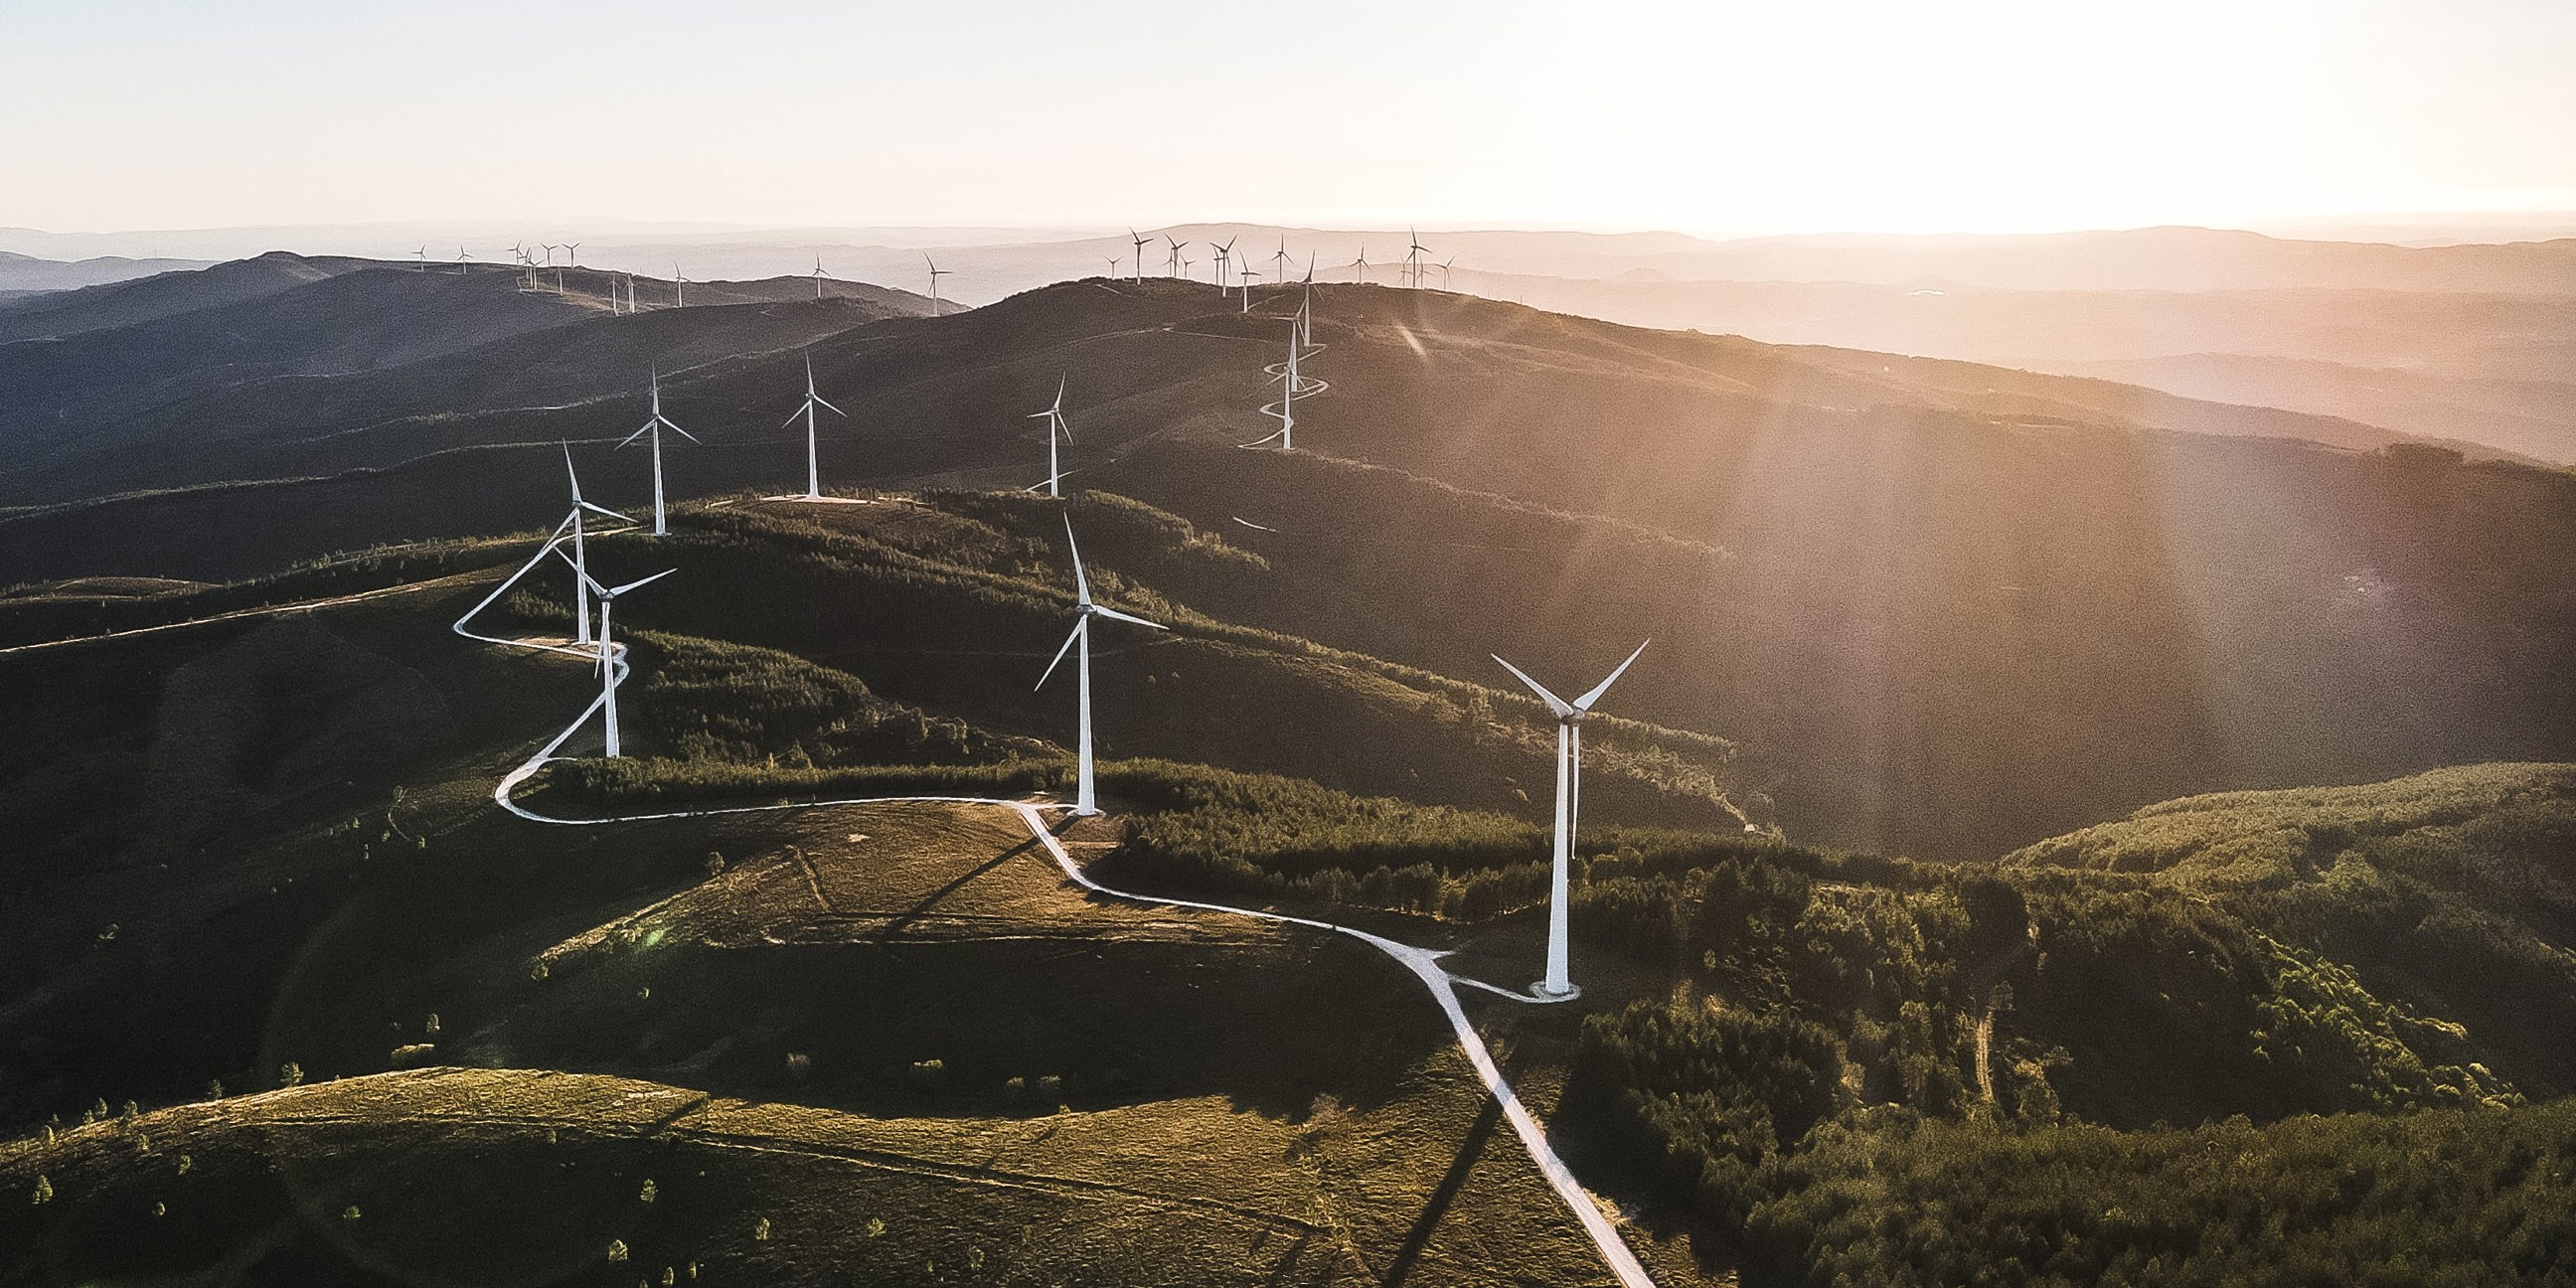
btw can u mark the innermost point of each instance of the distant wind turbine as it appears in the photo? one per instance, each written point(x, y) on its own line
point(580, 560)
point(1413, 257)
point(819, 275)
point(461, 258)
point(1054, 417)
point(1291, 385)
point(654, 427)
point(1443, 267)
point(1140, 243)
point(936, 272)
point(1084, 801)
point(679, 288)
point(1172, 262)
point(572, 253)
point(1114, 262)
point(1279, 262)
point(813, 473)
point(1569, 789)
point(1248, 275)
point(1223, 253)
point(423, 253)
point(1362, 263)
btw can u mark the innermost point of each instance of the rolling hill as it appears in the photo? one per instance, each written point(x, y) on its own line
point(1952, 618)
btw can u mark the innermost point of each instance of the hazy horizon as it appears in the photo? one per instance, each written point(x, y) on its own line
point(1858, 117)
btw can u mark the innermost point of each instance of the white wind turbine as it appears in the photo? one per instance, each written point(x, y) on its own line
point(1223, 253)
point(1172, 261)
point(1084, 610)
point(423, 254)
point(1279, 262)
point(1361, 263)
point(461, 259)
point(1054, 417)
point(1114, 262)
point(1248, 275)
point(813, 473)
point(1413, 257)
point(1291, 385)
point(1569, 790)
point(572, 253)
point(1140, 243)
point(679, 288)
point(612, 671)
point(936, 272)
point(580, 560)
point(654, 427)
point(819, 275)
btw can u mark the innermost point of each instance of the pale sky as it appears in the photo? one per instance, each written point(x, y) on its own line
point(1710, 117)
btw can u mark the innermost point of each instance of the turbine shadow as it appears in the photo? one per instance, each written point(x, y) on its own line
point(1442, 1195)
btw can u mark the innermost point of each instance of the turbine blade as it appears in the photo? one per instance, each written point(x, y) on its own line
point(1554, 703)
point(1081, 585)
point(827, 405)
point(641, 581)
point(1127, 617)
point(1585, 702)
point(601, 509)
point(681, 432)
point(647, 428)
point(1078, 625)
point(793, 415)
point(581, 572)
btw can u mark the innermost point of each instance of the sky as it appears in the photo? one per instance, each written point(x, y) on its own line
point(1699, 116)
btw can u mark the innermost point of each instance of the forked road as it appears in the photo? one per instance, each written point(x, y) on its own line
point(1423, 962)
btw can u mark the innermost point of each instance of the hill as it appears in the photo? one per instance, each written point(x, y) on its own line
point(1913, 598)
point(163, 295)
point(32, 275)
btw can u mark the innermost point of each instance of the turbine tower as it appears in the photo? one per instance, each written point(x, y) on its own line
point(813, 473)
point(1291, 384)
point(611, 671)
point(581, 560)
point(654, 427)
point(1084, 610)
point(1569, 790)
point(1054, 417)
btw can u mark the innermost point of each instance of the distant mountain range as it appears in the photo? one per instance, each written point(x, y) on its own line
point(26, 273)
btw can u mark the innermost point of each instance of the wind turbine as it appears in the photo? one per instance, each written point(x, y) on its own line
point(1289, 386)
point(581, 561)
point(1084, 610)
point(679, 288)
point(936, 272)
point(1413, 256)
point(819, 275)
point(423, 253)
point(1248, 274)
point(1140, 244)
point(813, 475)
point(1114, 262)
point(1443, 266)
point(654, 427)
point(1054, 417)
point(1172, 262)
point(1362, 263)
point(461, 258)
point(1223, 253)
point(1569, 790)
point(1306, 306)
point(609, 671)
point(572, 253)
point(1279, 262)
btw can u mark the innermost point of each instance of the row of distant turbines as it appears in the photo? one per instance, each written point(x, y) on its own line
point(569, 542)
point(1411, 270)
